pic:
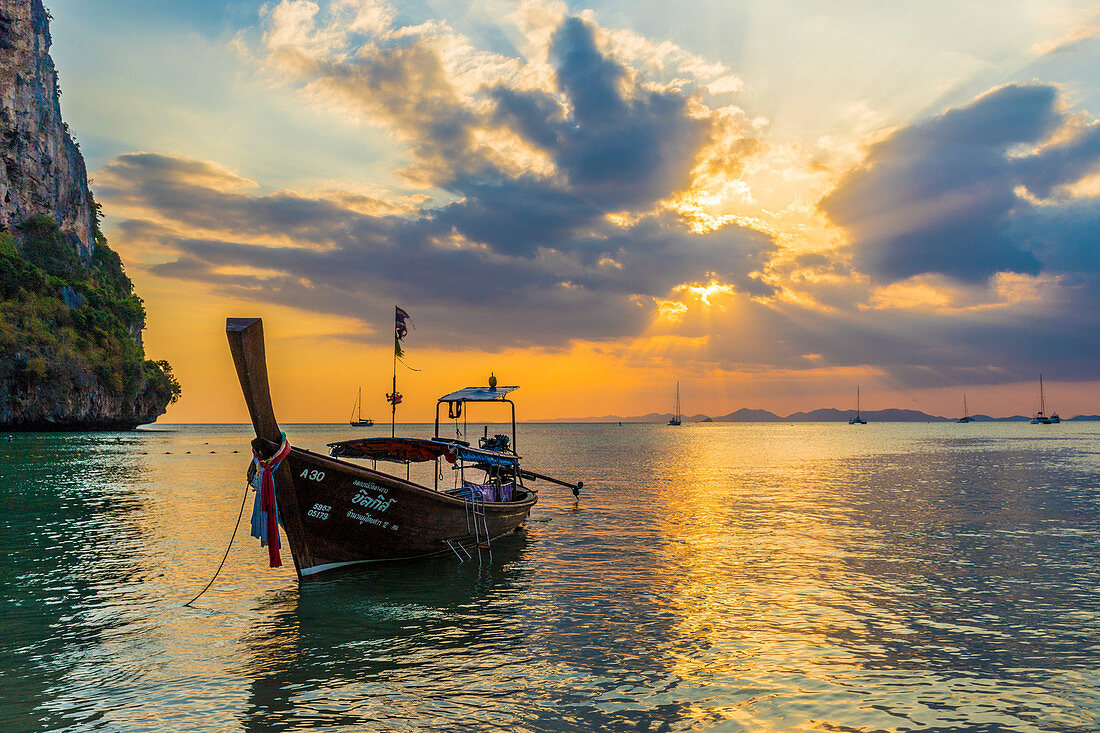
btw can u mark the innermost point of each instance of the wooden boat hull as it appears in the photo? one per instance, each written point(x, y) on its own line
point(336, 514)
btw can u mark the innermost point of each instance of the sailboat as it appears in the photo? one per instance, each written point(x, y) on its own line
point(966, 414)
point(1041, 417)
point(856, 419)
point(676, 418)
point(357, 418)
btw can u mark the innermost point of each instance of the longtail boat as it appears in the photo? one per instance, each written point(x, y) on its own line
point(335, 513)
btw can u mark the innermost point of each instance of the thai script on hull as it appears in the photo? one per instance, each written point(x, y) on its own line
point(367, 501)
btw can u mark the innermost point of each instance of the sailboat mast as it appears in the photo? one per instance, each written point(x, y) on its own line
point(677, 400)
point(965, 412)
point(1042, 400)
point(857, 400)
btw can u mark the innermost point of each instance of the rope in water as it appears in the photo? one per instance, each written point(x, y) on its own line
point(244, 500)
point(265, 523)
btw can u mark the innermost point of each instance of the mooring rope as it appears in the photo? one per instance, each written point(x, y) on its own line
point(244, 501)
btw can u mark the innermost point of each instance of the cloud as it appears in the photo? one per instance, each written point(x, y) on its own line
point(324, 255)
point(201, 196)
point(977, 242)
point(1076, 37)
point(547, 179)
point(949, 195)
point(626, 146)
point(543, 205)
point(574, 104)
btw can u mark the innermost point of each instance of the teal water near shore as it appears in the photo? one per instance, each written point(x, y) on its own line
point(732, 577)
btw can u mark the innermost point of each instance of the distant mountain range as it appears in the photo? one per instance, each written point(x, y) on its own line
point(822, 415)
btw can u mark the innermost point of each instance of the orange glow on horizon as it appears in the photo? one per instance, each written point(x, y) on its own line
point(315, 373)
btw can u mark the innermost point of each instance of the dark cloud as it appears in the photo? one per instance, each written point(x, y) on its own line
point(979, 190)
point(1061, 163)
point(621, 146)
point(199, 195)
point(537, 117)
point(913, 349)
point(615, 145)
point(942, 196)
point(319, 256)
point(405, 86)
point(520, 215)
point(625, 152)
point(1067, 235)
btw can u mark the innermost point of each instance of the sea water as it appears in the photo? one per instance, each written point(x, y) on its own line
point(730, 577)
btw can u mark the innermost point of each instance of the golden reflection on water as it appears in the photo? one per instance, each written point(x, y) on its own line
point(755, 564)
point(784, 587)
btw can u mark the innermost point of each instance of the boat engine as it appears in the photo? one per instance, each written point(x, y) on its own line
point(498, 442)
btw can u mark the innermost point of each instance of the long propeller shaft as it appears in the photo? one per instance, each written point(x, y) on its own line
point(543, 477)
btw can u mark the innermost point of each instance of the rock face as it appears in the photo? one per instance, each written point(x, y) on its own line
point(41, 168)
point(92, 407)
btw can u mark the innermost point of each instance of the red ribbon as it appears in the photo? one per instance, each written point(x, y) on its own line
point(267, 499)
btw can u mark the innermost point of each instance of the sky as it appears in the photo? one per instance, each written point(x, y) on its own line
point(769, 203)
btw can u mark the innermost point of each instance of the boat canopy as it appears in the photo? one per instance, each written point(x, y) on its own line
point(418, 450)
point(478, 394)
point(398, 450)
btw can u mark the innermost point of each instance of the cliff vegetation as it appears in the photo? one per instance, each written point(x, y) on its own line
point(70, 349)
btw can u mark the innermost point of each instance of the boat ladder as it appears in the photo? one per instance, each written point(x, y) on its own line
point(481, 534)
point(476, 521)
point(458, 549)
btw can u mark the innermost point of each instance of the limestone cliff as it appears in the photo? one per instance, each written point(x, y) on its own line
point(71, 355)
point(41, 168)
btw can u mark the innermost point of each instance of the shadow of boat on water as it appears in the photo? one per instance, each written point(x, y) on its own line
point(335, 650)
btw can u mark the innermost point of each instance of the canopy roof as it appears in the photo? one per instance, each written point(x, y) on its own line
point(417, 450)
point(398, 450)
point(478, 394)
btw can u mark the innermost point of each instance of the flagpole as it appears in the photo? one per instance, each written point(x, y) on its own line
point(400, 316)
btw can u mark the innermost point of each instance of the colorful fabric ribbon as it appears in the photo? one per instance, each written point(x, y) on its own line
point(265, 512)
